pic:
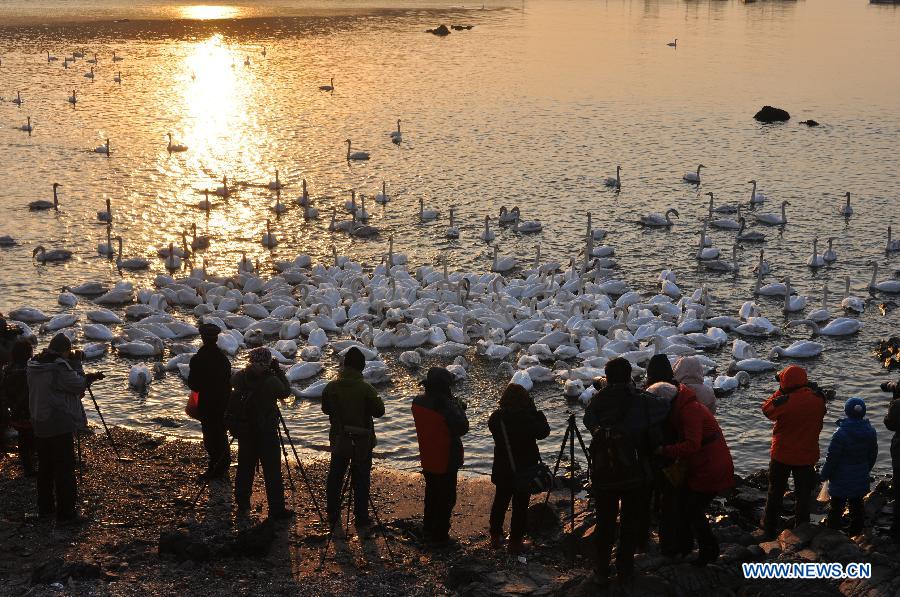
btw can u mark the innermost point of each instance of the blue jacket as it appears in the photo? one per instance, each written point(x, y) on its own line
point(851, 455)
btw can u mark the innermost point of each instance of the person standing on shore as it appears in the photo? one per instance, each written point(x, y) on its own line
point(798, 412)
point(351, 405)
point(210, 377)
point(56, 383)
point(689, 371)
point(14, 396)
point(440, 424)
point(253, 411)
point(851, 456)
point(892, 422)
point(625, 426)
point(8, 337)
point(515, 426)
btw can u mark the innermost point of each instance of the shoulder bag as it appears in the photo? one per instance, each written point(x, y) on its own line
point(532, 480)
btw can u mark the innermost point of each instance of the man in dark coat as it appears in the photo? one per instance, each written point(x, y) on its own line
point(622, 418)
point(440, 424)
point(892, 422)
point(210, 377)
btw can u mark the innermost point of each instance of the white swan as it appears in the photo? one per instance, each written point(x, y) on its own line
point(751, 236)
point(845, 209)
point(51, 58)
point(27, 128)
point(755, 198)
point(723, 223)
point(275, 185)
point(223, 191)
point(801, 349)
point(205, 204)
point(693, 177)
point(117, 78)
point(773, 219)
point(329, 87)
point(43, 256)
point(72, 98)
point(830, 256)
point(823, 313)
point(426, 214)
point(335, 226)
point(815, 260)
point(43, 204)
point(502, 264)
point(889, 286)
point(116, 58)
point(851, 303)
point(656, 220)
point(105, 215)
point(614, 182)
point(268, 238)
point(793, 304)
point(382, 198)
point(762, 267)
point(527, 227)
point(397, 136)
point(752, 365)
point(107, 249)
point(90, 75)
point(279, 207)
point(487, 234)
point(774, 289)
point(174, 147)
point(104, 149)
point(139, 377)
point(726, 383)
point(723, 266)
point(356, 155)
point(132, 263)
point(596, 233)
point(198, 242)
point(452, 231)
point(842, 326)
point(508, 216)
point(67, 299)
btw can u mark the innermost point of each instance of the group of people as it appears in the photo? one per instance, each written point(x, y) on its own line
point(656, 451)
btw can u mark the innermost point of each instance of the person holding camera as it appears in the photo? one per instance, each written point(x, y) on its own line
point(441, 422)
point(892, 422)
point(253, 418)
point(56, 383)
point(210, 377)
point(798, 410)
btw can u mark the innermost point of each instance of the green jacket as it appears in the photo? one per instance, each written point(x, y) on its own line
point(260, 412)
point(349, 400)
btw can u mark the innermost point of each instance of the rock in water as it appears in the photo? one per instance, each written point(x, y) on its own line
point(442, 30)
point(770, 114)
point(809, 122)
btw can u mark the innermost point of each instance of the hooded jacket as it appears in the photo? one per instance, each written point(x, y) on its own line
point(701, 442)
point(440, 423)
point(798, 413)
point(55, 387)
point(851, 456)
point(689, 371)
point(524, 426)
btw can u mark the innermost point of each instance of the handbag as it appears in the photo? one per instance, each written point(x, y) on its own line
point(537, 478)
point(192, 408)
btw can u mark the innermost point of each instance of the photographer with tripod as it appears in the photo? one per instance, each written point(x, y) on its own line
point(253, 419)
point(56, 383)
point(14, 397)
point(350, 404)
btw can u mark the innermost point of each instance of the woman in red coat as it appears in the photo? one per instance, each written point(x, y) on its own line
point(710, 469)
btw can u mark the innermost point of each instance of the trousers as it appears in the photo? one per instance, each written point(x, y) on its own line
point(440, 498)
point(360, 479)
point(504, 494)
point(634, 505)
point(56, 475)
point(804, 480)
point(857, 513)
point(693, 506)
point(260, 447)
point(215, 440)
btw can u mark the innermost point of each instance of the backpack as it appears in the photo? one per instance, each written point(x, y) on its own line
point(618, 461)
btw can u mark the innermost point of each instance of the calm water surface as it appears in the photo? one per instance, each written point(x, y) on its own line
point(532, 108)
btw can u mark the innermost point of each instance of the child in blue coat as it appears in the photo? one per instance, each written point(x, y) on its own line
point(851, 456)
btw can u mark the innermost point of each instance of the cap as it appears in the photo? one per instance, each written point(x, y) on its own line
point(260, 354)
point(209, 330)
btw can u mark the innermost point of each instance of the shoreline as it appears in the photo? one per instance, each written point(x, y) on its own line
point(130, 505)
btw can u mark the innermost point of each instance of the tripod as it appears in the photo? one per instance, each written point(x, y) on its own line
point(568, 441)
point(108, 434)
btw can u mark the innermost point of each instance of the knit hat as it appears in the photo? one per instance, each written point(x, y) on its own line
point(60, 344)
point(209, 330)
point(515, 396)
point(260, 354)
point(355, 359)
point(438, 378)
point(618, 370)
point(659, 369)
point(855, 408)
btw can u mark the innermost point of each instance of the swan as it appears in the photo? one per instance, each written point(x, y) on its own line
point(842, 326)
point(198, 242)
point(116, 58)
point(502, 264)
point(279, 207)
point(92, 60)
point(426, 214)
point(741, 350)
point(172, 261)
point(815, 260)
point(382, 198)
point(845, 209)
point(673, 44)
point(573, 388)
point(452, 231)
point(410, 359)
point(72, 98)
point(750, 237)
point(821, 314)
point(361, 214)
point(595, 233)
point(205, 204)
point(97, 331)
point(355, 155)
point(117, 78)
point(892, 245)
point(67, 299)
point(28, 315)
point(723, 266)
point(693, 177)
point(329, 87)
point(830, 256)
point(303, 370)
point(793, 304)
point(94, 350)
point(246, 61)
point(726, 383)
point(132, 263)
point(310, 213)
point(139, 377)
point(362, 230)
point(107, 249)
point(397, 136)
point(394, 258)
point(43, 256)
point(7, 241)
point(752, 365)
point(762, 267)
point(755, 198)
point(51, 58)
point(223, 191)
point(851, 303)
point(705, 250)
point(174, 147)
point(27, 128)
point(889, 286)
point(723, 223)
point(313, 390)
point(773, 219)
point(88, 288)
point(105, 215)
point(268, 238)
point(335, 226)
point(42, 204)
point(508, 216)
point(149, 347)
point(275, 185)
point(614, 182)
point(104, 149)
point(656, 220)
point(526, 227)
point(90, 75)
point(801, 349)
point(487, 234)
point(774, 289)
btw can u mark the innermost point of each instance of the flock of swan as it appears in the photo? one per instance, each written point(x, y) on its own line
point(542, 321)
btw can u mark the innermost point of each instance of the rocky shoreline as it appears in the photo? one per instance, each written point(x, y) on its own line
point(143, 537)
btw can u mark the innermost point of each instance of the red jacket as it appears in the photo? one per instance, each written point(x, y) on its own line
point(700, 441)
point(798, 413)
point(439, 430)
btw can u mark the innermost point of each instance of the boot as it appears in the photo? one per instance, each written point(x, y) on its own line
point(496, 540)
point(517, 546)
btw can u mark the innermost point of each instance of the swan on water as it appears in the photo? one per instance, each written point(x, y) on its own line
point(752, 366)
point(889, 286)
point(755, 197)
point(43, 256)
point(116, 58)
point(139, 377)
point(275, 185)
point(726, 383)
point(793, 304)
point(596, 233)
point(815, 260)
point(673, 44)
point(452, 231)
point(72, 98)
point(842, 326)
point(529, 226)
point(198, 242)
point(892, 244)
point(92, 60)
point(67, 299)
point(656, 220)
point(104, 149)
point(773, 219)
point(845, 209)
point(851, 303)
point(801, 349)
point(823, 313)
point(508, 216)
point(723, 223)
point(105, 215)
point(18, 101)
point(830, 256)
point(693, 177)
point(27, 128)
point(117, 78)
point(396, 136)
point(28, 315)
point(51, 58)
point(7, 241)
point(205, 204)
point(355, 155)
point(502, 264)
point(427, 214)
point(487, 234)
point(90, 75)
point(174, 147)
point(329, 87)
point(762, 267)
point(749, 237)
point(614, 182)
point(268, 238)
point(43, 204)
point(107, 249)
point(279, 207)
point(723, 266)
point(382, 198)
point(132, 263)
point(223, 191)
point(335, 226)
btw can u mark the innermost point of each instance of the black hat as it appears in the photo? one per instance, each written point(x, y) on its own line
point(60, 344)
point(438, 378)
point(660, 369)
point(209, 330)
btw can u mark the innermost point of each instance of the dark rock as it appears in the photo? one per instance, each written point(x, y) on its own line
point(58, 570)
point(736, 553)
point(746, 497)
point(799, 537)
point(809, 122)
point(770, 114)
point(464, 572)
point(759, 479)
point(183, 546)
point(442, 30)
point(828, 539)
point(756, 552)
point(772, 549)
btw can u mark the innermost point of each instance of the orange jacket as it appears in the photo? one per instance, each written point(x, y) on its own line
point(798, 413)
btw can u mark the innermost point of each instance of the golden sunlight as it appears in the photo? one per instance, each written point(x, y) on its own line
point(205, 12)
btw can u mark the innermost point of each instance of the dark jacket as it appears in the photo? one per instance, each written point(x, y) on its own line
point(892, 418)
point(55, 387)
point(350, 400)
point(633, 410)
point(14, 394)
point(851, 456)
point(210, 377)
point(701, 443)
point(440, 424)
point(524, 427)
point(259, 413)
point(798, 413)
